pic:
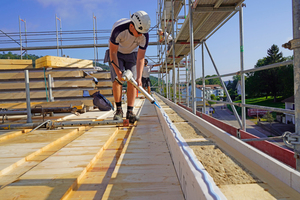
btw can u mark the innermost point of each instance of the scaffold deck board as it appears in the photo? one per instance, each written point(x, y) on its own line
point(145, 169)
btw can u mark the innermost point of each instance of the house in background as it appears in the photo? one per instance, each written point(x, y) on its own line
point(217, 90)
point(289, 104)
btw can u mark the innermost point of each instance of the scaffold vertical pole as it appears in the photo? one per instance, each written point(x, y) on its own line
point(296, 36)
point(27, 88)
point(94, 40)
point(192, 56)
point(242, 67)
point(174, 64)
point(20, 37)
point(187, 82)
point(56, 35)
point(165, 24)
point(203, 81)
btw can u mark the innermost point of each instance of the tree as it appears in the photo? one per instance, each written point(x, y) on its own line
point(271, 81)
point(215, 81)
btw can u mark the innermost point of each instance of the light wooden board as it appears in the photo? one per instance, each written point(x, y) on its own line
point(20, 84)
point(53, 177)
point(74, 103)
point(15, 64)
point(55, 62)
point(145, 169)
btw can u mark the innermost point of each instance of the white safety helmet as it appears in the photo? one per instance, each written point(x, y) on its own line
point(141, 21)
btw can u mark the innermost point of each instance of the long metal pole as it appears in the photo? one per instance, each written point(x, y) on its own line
point(192, 54)
point(25, 38)
point(187, 99)
point(50, 88)
point(178, 81)
point(20, 37)
point(296, 36)
point(165, 23)
point(61, 47)
point(203, 82)
point(56, 35)
point(94, 40)
point(27, 88)
point(223, 85)
point(174, 64)
point(242, 67)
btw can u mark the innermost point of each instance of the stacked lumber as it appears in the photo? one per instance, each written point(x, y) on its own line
point(68, 75)
point(55, 62)
point(15, 64)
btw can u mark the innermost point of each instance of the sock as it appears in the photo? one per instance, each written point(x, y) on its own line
point(119, 105)
point(129, 108)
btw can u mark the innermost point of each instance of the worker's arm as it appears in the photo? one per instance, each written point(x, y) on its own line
point(140, 65)
point(113, 55)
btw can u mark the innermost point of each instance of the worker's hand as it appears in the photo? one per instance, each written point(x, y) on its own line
point(139, 81)
point(119, 75)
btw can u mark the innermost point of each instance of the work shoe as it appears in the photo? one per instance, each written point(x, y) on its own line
point(132, 117)
point(118, 114)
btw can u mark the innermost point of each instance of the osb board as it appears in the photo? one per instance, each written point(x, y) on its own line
point(15, 64)
point(59, 83)
point(56, 62)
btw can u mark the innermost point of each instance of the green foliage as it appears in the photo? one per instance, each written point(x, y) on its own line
point(215, 81)
point(272, 82)
point(268, 117)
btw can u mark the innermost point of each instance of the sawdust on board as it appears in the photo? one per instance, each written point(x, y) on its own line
point(222, 167)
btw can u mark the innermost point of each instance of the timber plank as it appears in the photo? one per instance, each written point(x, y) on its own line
point(52, 178)
point(42, 94)
point(15, 64)
point(56, 62)
point(20, 84)
point(145, 151)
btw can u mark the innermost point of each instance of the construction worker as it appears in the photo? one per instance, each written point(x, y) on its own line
point(162, 38)
point(127, 46)
point(146, 74)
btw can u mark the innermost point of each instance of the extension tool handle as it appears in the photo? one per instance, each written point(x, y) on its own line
point(141, 89)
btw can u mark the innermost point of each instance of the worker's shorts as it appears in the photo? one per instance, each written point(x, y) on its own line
point(126, 61)
point(146, 82)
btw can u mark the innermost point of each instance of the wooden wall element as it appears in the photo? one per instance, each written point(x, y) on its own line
point(56, 62)
point(15, 64)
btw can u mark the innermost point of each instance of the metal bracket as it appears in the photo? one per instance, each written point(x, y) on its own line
point(291, 139)
point(292, 44)
point(238, 134)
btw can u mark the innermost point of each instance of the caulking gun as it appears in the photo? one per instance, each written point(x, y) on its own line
point(128, 76)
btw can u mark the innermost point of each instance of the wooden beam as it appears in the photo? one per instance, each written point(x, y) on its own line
point(56, 62)
point(15, 64)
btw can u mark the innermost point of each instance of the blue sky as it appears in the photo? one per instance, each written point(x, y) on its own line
point(266, 22)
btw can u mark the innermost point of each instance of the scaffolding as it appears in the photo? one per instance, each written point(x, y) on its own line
point(205, 18)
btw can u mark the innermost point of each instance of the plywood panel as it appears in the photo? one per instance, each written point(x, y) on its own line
point(56, 62)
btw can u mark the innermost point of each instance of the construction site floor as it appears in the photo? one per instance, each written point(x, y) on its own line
point(117, 162)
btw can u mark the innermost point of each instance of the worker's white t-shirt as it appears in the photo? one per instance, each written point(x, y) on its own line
point(120, 35)
point(147, 70)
